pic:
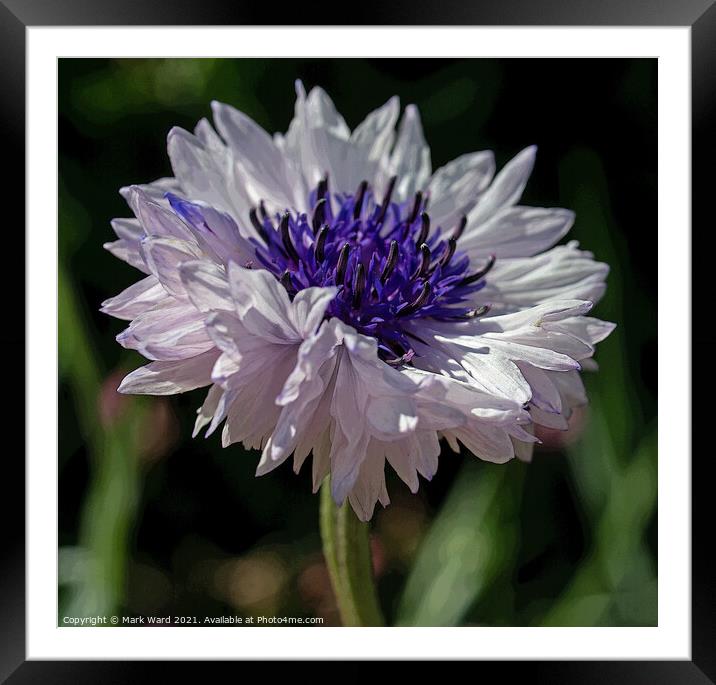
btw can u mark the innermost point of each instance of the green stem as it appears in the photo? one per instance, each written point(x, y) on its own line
point(110, 507)
point(346, 546)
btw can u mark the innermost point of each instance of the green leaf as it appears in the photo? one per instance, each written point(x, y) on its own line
point(473, 537)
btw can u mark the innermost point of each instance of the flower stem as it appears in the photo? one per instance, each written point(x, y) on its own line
point(346, 547)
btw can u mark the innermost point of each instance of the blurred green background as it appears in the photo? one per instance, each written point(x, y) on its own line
point(152, 522)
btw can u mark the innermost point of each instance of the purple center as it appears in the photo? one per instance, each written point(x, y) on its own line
point(389, 264)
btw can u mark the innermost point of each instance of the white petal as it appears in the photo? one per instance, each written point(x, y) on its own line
point(589, 365)
point(308, 308)
point(263, 304)
point(129, 252)
point(211, 140)
point(361, 378)
point(439, 392)
point(540, 328)
point(206, 285)
point(375, 132)
point(312, 354)
point(224, 373)
point(227, 333)
point(562, 273)
point(128, 229)
point(135, 299)
point(323, 141)
point(483, 367)
point(170, 378)
point(545, 394)
point(490, 443)
point(320, 141)
point(207, 174)
point(167, 331)
point(313, 378)
point(402, 459)
point(487, 348)
point(427, 450)
point(215, 232)
point(370, 144)
point(504, 191)
point(410, 160)
point(548, 419)
point(308, 413)
point(455, 188)
point(266, 310)
point(350, 439)
point(370, 486)
point(155, 191)
point(517, 232)
point(205, 413)
point(484, 431)
point(290, 144)
point(391, 416)
point(321, 460)
point(523, 450)
point(495, 373)
point(529, 350)
point(571, 388)
point(253, 413)
point(266, 172)
point(585, 328)
point(157, 220)
point(163, 257)
point(534, 317)
point(130, 233)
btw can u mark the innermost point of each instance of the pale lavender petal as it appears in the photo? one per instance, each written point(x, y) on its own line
point(410, 160)
point(170, 378)
point(136, 299)
point(167, 332)
point(164, 256)
point(562, 273)
point(518, 232)
point(206, 285)
point(264, 170)
point(504, 191)
point(455, 188)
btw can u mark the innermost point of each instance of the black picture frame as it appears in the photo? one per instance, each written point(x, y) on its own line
point(16, 15)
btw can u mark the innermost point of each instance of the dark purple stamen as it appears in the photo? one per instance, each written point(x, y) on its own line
point(319, 214)
point(405, 358)
point(449, 252)
point(471, 314)
point(424, 264)
point(460, 228)
point(416, 207)
point(390, 262)
point(286, 239)
point(342, 263)
point(358, 206)
point(386, 200)
point(424, 229)
point(319, 249)
point(481, 273)
point(358, 286)
point(256, 223)
point(390, 265)
point(418, 302)
point(286, 280)
point(480, 311)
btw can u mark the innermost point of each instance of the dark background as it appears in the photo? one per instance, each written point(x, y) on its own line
point(153, 522)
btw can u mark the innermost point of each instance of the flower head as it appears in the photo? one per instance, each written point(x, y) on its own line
point(342, 300)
